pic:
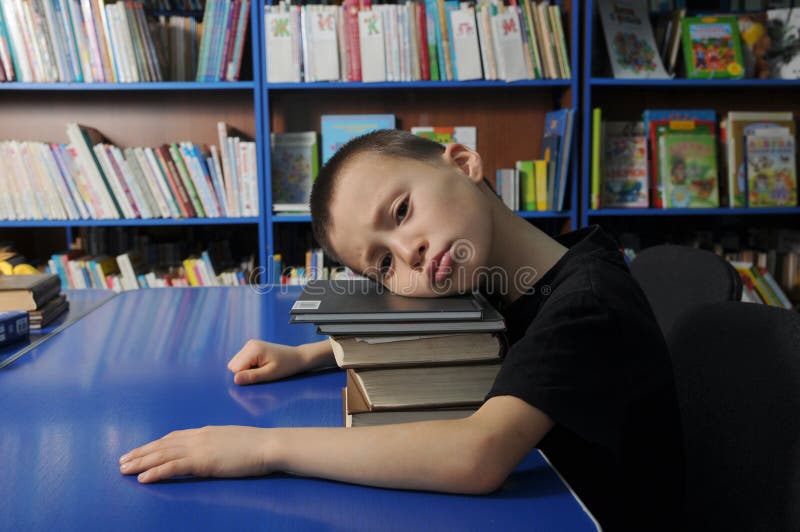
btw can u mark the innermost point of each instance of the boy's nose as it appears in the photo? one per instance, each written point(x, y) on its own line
point(414, 253)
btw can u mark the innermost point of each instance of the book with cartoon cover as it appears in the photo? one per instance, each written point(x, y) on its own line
point(688, 168)
point(629, 38)
point(771, 171)
point(712, 47)
point(624, 165)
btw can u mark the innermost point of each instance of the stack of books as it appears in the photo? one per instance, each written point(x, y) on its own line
point(38, 295)
point(407, 359)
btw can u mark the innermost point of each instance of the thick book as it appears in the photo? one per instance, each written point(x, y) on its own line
point(27, 292)
point(419, 388)
point(391, 417)
point(492, 322)
point(384, 352)
point(327, 301)
point(13, 327)
point(49, 312)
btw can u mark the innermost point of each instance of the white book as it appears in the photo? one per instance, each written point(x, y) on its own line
point(233, 149)
point(323, 43)
point(280, 48)
point(30, 179)
point(46, 183)
point(137, 186)
point(90, 197)
point(152, 192)
point(790, 18)
point(465, 44)
point(308, 71)
point(14, 29)
point(128, 275)
point(219, 181)
point(508, 37)
point(483, 40)
point(30, 207)
point(386, 13)
point(626, 26)
point(373, 56)
point(7, 192)
point(60, 181)
point(222, 134)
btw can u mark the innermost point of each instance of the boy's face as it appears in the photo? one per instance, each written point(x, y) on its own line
point(420, 229)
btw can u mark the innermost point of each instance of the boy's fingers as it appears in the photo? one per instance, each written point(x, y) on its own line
point(182, 466)
point(154, 459)
point(252, 376)
point(164, 442)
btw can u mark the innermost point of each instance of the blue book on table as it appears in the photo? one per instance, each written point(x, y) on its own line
point(13, 327)
point(338, 130)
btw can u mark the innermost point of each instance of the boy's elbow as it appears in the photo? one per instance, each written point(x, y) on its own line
point(481, 472)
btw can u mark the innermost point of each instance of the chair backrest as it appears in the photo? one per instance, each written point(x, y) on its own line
point(676, 278)
point(737, 376)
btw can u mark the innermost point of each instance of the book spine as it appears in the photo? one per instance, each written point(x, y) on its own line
point(186, 179)
point(170, 170)
point(150, 156)
point(119, 190)
point(235, 66)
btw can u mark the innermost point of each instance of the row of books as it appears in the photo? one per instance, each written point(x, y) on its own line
point(406, 359)
point(751, 44)
point(415, 40)
point(313, 268)
point(35, 301)
point(541, 184)
point(686, 158)
point(93, 179)
point(77, 270)
point(97, 41)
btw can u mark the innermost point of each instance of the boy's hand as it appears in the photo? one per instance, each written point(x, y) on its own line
point(264, 361)
point(207, 452)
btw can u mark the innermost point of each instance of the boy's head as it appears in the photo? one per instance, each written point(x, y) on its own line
point(405, 211)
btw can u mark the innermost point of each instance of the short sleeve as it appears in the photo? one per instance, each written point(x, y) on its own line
point(566, 365)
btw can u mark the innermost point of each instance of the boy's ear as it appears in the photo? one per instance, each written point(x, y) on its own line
point(466, 159)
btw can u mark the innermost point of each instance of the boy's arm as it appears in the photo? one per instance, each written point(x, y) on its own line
point(472, 455)
point(260, 361)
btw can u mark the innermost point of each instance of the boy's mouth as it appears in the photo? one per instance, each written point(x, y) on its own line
point(441, 266)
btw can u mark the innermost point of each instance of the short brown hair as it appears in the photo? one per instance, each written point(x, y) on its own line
point(387, 142)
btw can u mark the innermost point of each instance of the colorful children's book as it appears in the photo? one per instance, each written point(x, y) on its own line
point(712, 47)
point(624, 172)
point(739, 125)
point(629, 38)
point(771, 170)
point(657, 123)
point(338, 130)
point(294, 162)
point(466, 135)
point(688, 167)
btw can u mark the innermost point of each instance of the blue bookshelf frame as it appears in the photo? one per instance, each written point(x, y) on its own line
point(556, 85)
point(589, 82)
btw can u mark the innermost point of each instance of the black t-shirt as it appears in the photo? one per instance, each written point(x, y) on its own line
point(587, 351)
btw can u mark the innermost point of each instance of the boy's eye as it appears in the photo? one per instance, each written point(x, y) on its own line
point(385, 265)
point(402, 211)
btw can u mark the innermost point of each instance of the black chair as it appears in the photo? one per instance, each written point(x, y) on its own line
point(676, 278)
point(737, 374)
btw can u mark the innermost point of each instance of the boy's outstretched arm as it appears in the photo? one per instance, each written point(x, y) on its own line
point(260, 361)
point(472, 455)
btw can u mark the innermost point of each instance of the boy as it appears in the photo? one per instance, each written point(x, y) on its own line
point(587, 378)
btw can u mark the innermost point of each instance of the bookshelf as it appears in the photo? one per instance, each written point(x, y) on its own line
point(509, 117)
point(140, 114)
point(625, 99)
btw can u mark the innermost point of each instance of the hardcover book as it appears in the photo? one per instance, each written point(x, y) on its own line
point(367, 301)
point(386, 352)
point(27, 292)
point(629, 38)
point(712, 47)
point(338, 130)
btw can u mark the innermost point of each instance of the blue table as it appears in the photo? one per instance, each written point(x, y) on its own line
point(81, 303)
point(152, 361)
